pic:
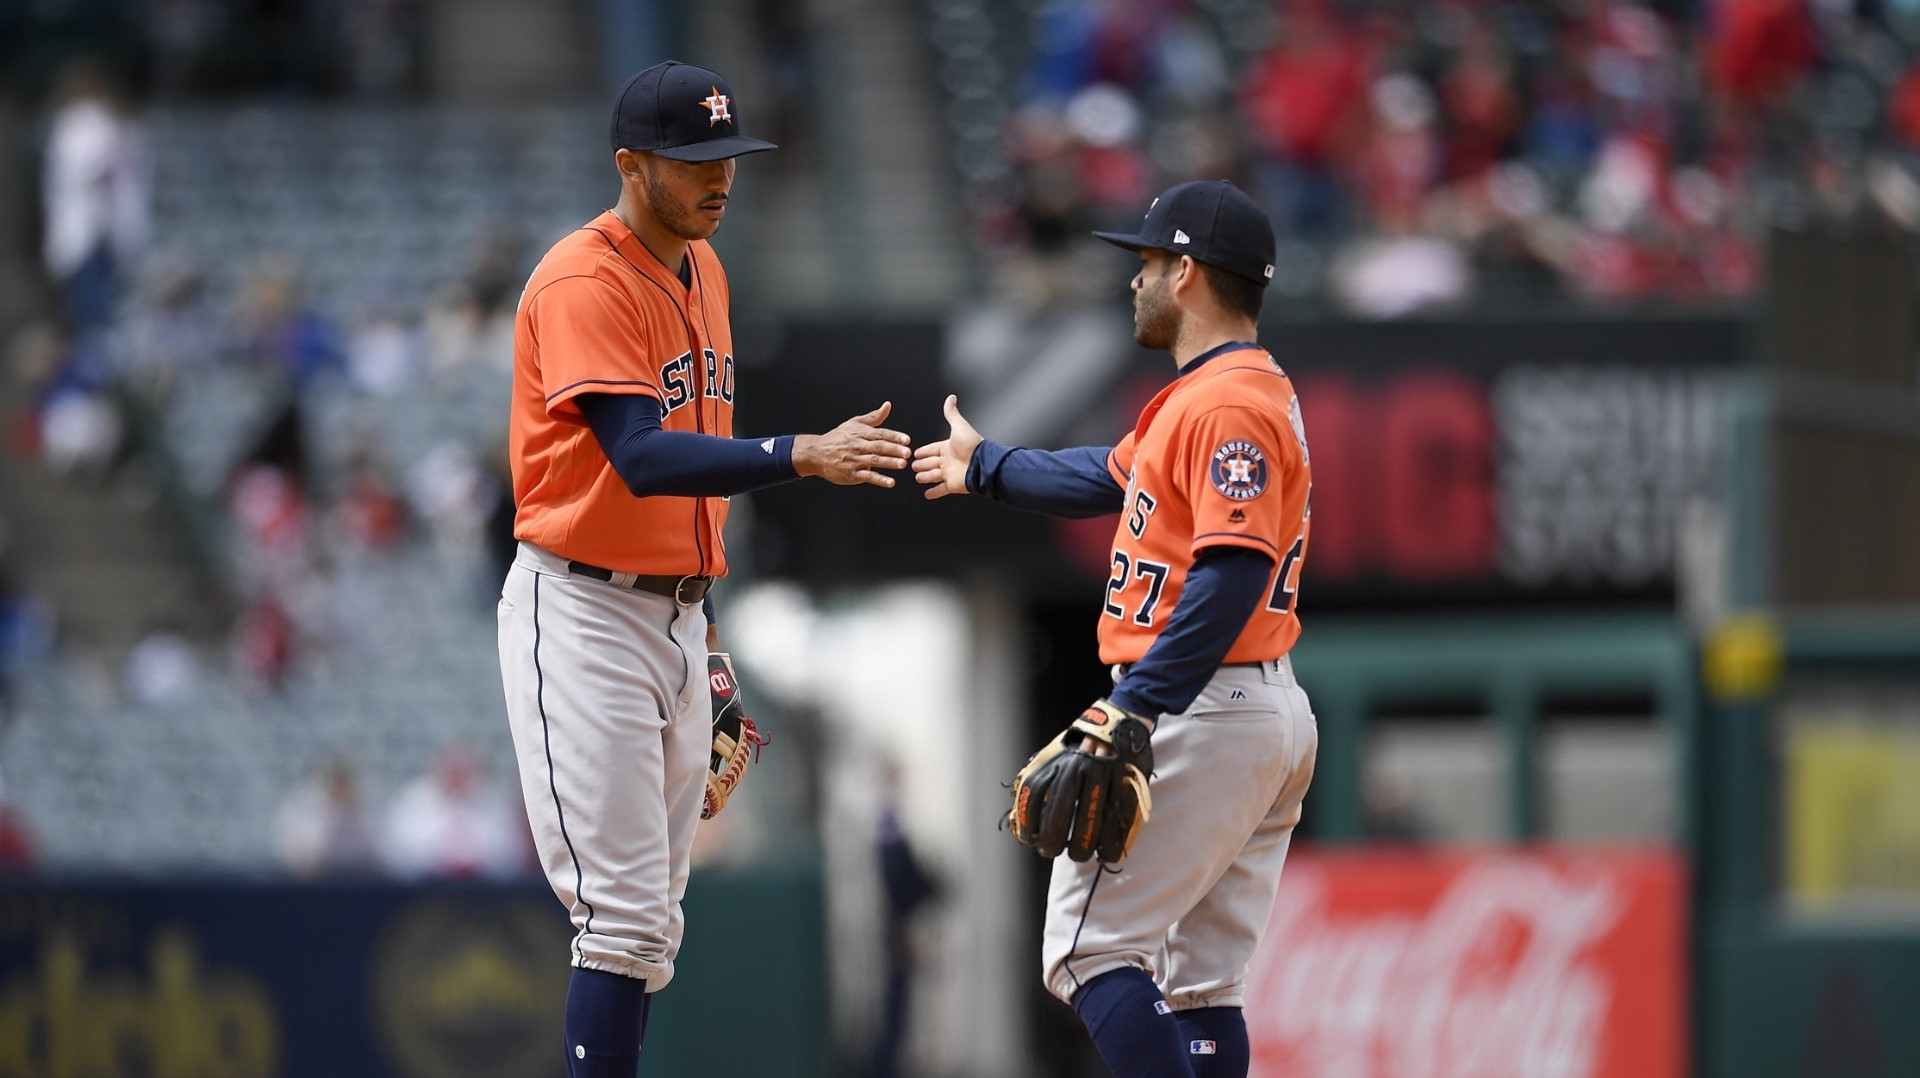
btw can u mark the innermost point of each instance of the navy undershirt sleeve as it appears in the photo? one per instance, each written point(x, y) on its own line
point(653, 461)
point(1060, 482)
point(1224, 586)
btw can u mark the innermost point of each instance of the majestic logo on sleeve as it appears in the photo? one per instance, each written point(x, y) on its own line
point(1239, 471)
point(717, 107)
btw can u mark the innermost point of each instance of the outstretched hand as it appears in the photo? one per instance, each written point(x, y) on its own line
point(941, 466)
point(853, 451)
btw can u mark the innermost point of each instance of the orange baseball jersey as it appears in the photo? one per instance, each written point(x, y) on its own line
point(601, 314)
point(1218, 458)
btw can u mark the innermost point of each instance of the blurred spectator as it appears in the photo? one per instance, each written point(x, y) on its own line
point(449, 824)
point(454, 496)
point(279, 332)
point(172, 331)
point(907, 887)
point(16, 838)
point(162, 669)
point(1401, 157)
point(382, 353)
point(264, 643)
point(323, 829)
point(460, 332)
point(270, 511)
point(471, 320)
point(498, 271)
point(282, 444)
point(1758, 49)
point(1483, 116)
point(1561, 135)
point(95, 196)
point(1635, 65)
point(80, 431)
point(1189, 66)
point(1903, 109)
point(371, 515)
point(26, 632)
point(1400, 272)
point(75, 424)
point(1300, 103)
point(1064, 38)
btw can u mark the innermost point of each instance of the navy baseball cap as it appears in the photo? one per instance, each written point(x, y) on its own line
point(680, 111)
point(1213, 221)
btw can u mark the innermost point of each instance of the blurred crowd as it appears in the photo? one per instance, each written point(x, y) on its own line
point(140, 360)
point(450, 823)
point(1418, 156)
point(143, 335)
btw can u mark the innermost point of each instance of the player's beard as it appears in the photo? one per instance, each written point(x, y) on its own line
point(1156, 318)
point(680, 220)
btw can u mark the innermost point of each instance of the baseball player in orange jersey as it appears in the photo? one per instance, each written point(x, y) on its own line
point(625, 717)
point(1177, 794)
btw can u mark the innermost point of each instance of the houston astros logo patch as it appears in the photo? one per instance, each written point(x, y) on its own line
point(717, 107)
point(1239, 471)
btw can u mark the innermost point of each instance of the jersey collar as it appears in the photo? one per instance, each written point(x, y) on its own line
point(1213, 353)
point(644, 259)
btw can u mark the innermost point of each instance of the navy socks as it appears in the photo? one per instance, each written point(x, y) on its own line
point(1132, 1026)
point(1216, 1042)
point(606, 1020)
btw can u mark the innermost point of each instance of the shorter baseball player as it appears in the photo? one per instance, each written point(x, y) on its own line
point(1174, 797)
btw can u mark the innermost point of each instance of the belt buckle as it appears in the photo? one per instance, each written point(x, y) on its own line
point(680, 590)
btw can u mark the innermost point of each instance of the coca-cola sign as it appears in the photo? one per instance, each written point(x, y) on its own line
point(1525, 964)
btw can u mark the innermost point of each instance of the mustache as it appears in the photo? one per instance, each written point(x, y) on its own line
point(716, 200)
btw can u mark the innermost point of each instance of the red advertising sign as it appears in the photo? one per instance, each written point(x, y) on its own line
point(1510, 964)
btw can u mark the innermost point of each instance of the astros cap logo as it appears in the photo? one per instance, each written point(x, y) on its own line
point(717, 107)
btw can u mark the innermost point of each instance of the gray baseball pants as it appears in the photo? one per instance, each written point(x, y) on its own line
point(1189, 903)
point(612, 725)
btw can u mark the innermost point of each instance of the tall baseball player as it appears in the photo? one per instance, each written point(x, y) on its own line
point(1175, 796)
point(625, 717)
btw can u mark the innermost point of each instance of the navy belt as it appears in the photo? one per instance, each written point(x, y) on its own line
point(685, 590)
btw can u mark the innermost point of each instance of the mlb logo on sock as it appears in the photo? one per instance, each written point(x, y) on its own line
point(1200, 1048)
point(1162, 1007)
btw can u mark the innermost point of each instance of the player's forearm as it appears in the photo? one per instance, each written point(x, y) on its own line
point(1224, 586)
point(652, 461)
point(1059, 482)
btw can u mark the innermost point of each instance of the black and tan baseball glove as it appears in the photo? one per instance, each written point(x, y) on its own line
point(736, 740)
point(1071, 797)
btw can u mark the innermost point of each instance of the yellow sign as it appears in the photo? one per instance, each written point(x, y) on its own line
point(1852, 787)
point(463, 991)
point(62, 1020)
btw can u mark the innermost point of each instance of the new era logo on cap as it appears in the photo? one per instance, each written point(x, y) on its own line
point(1211, 221)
